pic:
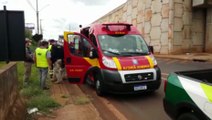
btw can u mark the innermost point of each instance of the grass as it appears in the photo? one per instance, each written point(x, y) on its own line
point(43, 103)
point(2, 64)
point(81, 100)
point(64, 96)
point(31, 91)
point(34, 95)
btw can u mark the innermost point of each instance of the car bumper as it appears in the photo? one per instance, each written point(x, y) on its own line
point(112, 83)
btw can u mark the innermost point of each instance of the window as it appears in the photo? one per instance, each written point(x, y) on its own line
point(93, 39)
point(125, 45)
point(79, 46)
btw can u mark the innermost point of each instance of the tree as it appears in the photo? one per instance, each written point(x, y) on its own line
point(28, 33)
point(37, 37)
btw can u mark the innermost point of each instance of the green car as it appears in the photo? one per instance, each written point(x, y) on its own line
point(188, 95)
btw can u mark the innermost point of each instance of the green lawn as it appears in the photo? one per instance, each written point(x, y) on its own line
point(36, 97)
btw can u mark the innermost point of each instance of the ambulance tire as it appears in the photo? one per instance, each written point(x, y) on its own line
point(98, 86)
point(188, 116)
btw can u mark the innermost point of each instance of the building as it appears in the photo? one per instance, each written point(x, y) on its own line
point(171, 26)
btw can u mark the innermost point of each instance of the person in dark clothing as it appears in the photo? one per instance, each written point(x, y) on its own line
point(57, 56)
point(28, 61)
point(51, 43)
point(56, 52)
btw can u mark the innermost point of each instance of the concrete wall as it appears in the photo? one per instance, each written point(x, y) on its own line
point(209, 29)
point(189, 27)
point(182, 22)
point(171, 26)
point(198, 30)
point(12, 106)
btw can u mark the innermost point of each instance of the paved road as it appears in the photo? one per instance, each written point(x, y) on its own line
point(142, 107)
point(171, 65)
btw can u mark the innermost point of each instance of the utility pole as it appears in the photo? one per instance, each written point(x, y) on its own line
point(37, 16)
point(41, 29)
point(37, 13)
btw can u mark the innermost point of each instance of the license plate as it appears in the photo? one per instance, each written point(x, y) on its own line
point(140, 87)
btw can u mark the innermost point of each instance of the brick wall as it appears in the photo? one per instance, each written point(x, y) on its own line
point(12, 106)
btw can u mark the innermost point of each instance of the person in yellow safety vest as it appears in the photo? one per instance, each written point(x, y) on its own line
point(42, 60)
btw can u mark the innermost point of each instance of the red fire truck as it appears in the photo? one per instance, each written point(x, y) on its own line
point(113, 57)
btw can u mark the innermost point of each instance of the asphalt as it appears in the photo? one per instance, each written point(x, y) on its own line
point(205, 57)
point(93, 113)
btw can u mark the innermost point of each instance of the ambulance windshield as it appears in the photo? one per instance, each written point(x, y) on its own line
point(126, 45)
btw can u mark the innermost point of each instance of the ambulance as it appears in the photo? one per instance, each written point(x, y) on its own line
point(112, 57)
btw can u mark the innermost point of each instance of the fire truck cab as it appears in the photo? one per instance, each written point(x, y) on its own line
point(113, 57)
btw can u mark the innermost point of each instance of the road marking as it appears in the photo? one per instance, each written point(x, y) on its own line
point(113, 109)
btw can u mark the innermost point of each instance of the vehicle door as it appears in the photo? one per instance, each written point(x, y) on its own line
point(77, 56)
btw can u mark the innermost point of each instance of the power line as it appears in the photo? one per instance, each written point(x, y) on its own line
point(30, 4)
point(37, 12)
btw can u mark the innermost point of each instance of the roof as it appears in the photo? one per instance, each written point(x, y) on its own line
point(103, 28)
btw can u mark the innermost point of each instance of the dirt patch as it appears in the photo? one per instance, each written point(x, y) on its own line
point(74, 104)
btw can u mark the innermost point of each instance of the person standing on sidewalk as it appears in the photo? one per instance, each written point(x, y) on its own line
point(43, 62)
point(27, 62)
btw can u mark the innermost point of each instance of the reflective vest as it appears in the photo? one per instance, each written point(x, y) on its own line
point(50, 47)
point(41, 59)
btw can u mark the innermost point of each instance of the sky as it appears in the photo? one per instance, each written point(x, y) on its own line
point(57, 16)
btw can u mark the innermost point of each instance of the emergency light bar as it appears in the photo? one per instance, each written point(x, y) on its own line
point(117, 27)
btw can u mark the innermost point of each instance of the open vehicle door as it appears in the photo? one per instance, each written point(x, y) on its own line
point(78, 56)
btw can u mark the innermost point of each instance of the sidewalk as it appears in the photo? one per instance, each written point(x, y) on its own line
point(204, 57)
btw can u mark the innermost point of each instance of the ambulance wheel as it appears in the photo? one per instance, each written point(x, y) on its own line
point(89, 79)
point(188, 116)
point(98, 86)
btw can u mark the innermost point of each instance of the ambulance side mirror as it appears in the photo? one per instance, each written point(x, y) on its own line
point(151, 49)
point(93, 54)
